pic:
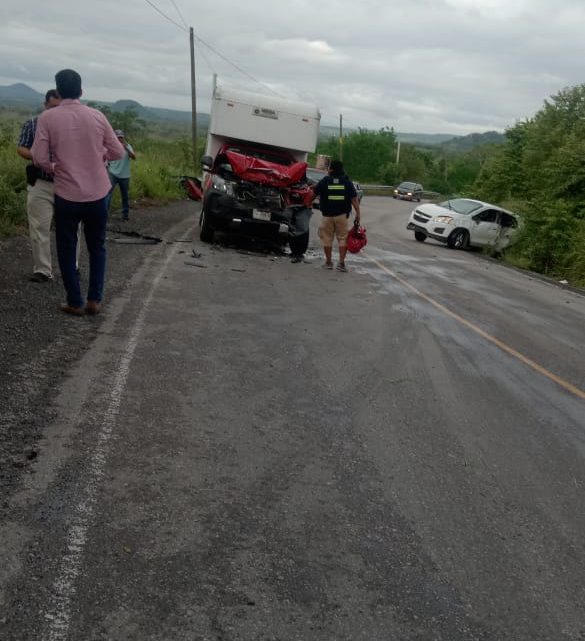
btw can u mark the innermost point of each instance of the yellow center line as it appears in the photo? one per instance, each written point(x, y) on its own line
point(492, 339)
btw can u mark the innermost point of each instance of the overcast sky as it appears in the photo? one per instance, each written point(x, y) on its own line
point(424, 66)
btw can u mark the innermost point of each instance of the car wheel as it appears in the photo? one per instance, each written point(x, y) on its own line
point(205, 229)
point(459, 239)
point(420, 236)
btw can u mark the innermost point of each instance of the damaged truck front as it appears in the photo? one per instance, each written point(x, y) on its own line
point(255, 164)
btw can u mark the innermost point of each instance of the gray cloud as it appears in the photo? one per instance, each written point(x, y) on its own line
point(448, 66)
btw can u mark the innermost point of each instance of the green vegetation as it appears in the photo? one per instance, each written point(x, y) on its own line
point(536, 169)
point(12, 179)
point(161, 160)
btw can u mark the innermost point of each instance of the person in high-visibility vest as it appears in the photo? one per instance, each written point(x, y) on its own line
point(337, 195)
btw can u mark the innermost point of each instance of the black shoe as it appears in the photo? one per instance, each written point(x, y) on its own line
point(297, 258)
point(39, 277)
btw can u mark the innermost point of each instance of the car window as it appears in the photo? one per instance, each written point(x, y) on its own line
point(508, 221)
point(487, 216)
point(407, 185)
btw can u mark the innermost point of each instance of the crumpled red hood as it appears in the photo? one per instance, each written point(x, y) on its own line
point(264, 172)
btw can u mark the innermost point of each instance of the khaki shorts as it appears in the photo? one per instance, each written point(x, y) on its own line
point(333, 227)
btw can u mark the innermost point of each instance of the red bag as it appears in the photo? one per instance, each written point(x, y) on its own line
point(356, 239)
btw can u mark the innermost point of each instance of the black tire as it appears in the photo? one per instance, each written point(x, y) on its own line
point(420, 236)
point(459, 239)
point(206, 231)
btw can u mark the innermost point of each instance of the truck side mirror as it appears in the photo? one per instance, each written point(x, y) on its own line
point(207, 162)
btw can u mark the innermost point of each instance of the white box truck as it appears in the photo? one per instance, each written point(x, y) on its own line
point(255, 164)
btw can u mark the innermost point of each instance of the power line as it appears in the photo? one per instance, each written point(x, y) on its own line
point(180, 14)
point(164, 15)
point(205, 58)
point(217, 53)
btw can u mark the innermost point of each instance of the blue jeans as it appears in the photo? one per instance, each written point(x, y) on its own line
point(94, 216)
point(124, 184)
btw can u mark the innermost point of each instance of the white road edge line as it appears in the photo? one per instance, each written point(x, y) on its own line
point(64, 587)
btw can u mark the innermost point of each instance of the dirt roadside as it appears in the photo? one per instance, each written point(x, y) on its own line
point(38, 343)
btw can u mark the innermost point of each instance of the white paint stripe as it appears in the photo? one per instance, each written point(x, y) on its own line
point(65, 585)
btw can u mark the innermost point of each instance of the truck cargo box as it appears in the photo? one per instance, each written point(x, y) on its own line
point(240, 115)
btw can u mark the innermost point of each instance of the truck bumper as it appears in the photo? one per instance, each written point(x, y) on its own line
point(227, 215)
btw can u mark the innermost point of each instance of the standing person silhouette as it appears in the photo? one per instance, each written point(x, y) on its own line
point(119, 172)
point(72, 143)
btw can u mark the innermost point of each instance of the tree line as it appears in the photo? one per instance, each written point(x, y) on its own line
point(538, 172)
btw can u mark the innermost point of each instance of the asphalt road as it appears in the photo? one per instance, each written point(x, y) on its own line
point(255, 450)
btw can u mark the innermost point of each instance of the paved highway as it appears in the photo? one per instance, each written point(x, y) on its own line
point(253, 449)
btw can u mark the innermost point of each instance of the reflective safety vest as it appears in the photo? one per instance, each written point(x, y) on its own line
point(336, 193)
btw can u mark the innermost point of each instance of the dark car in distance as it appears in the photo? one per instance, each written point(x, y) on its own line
point(408, 191)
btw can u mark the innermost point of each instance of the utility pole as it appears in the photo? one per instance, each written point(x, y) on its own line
point(341, 137)
point(193, 100)
point(398, 153)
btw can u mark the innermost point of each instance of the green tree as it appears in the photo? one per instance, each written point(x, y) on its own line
point(128, 120)
point(364, 152)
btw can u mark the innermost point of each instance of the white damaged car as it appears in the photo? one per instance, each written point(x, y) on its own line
point(463, 222)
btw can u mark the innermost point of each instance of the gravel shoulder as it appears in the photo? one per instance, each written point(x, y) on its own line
point(38, 343)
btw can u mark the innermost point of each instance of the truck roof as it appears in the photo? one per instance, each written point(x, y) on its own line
point(267, 102)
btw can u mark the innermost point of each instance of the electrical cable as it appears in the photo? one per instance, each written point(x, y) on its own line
point(164, 15)
point(180, 14)
point(217, 53)
point(205, 58)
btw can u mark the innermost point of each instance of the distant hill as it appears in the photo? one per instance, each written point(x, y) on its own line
point(21, 95)
point(469, 142)
point(424, 139)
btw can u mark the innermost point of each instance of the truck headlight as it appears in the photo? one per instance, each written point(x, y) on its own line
point(223, 185)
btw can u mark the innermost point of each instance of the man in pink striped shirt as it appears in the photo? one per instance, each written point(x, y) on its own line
point(73, 144)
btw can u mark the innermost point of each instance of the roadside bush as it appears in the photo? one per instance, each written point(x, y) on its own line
point(157, 168)
point(547, 239)
point(154, 174)
point(12, 181)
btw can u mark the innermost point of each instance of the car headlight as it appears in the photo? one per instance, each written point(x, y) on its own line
point(444, 219)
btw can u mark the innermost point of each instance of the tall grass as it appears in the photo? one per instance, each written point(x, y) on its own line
point(154, 178)
point(12, 181)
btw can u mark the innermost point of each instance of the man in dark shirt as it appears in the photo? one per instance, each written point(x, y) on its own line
point(336, 195)
point(40, 199)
